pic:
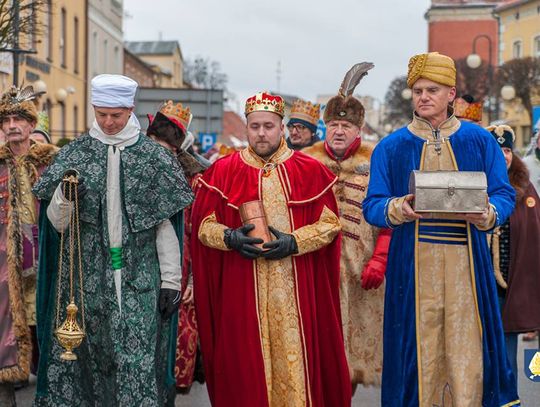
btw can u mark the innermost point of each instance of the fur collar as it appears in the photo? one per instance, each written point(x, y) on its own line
point(39, 154)
point(349, 166)
point(519, 177)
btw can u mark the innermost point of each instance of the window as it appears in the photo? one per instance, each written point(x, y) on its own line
point(75, 121)
point(63, 119)
point(516, 49)
point(105, 55)
point(536, 45)
point(117, 58)
point(95, 54)
point(63, 38)
point(48, 110)
point(49, 37)
point(33, 26)
point(76, 45)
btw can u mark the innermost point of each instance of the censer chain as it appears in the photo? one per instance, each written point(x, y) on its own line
point(73, 229)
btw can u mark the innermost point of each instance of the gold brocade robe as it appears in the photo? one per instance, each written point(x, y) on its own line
point(18, 254)
point(362, 311)
point(279, 325)
point(449, 331)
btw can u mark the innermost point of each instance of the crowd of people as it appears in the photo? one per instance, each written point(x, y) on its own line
point(284, 274)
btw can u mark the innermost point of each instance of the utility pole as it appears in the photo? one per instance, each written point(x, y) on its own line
point(278, 76)
point(16, 50)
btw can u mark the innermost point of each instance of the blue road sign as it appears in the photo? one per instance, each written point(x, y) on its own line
point(536, 118)
point(532, 364)
point(207, 140)
point(321, 130)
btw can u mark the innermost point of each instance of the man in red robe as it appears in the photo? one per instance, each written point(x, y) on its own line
point(269, 316)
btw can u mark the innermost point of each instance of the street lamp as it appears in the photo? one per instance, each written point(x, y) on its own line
point(60, 95)
point(406, 94)
point(474, 61)
point(39, 86)
point(508, 92)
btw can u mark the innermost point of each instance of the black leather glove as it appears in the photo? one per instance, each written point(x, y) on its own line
point(285, 245)
point(237, 239)
point(169, 301)
point(81, 186)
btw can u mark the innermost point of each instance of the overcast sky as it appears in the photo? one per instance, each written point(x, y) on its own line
point(315, 41)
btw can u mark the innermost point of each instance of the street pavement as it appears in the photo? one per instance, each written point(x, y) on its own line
point(529, 391)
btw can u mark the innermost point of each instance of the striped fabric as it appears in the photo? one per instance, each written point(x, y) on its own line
point(442, 231)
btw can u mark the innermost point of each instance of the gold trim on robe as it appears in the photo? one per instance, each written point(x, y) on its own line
point(280, 319)
point(449, 337)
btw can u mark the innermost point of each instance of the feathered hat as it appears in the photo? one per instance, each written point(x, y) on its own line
point(344, 106)
point(20, 102)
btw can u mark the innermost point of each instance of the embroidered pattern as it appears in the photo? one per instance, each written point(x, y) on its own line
point(351, 218)
point(354, 203)
point(350, 235)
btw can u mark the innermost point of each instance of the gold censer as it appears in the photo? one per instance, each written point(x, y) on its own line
point(70, 334)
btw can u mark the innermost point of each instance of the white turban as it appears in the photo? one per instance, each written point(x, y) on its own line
point(113, 91)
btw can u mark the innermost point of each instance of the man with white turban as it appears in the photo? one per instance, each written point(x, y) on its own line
point(130, 190)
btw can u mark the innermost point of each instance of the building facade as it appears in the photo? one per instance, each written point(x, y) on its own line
point(58, 66)
point(453, 26)
point(138, 70)
point(519, 26)
point(105, 42)
point(164, 57)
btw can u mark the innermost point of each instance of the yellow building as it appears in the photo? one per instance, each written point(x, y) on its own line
point(164, 57)
point(519, 26)
point(59, 66)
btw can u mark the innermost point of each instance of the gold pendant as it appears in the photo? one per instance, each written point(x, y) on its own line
point(70, 334)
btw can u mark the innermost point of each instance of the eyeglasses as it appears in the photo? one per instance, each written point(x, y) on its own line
point(297, 127)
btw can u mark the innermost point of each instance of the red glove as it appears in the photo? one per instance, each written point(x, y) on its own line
point(374, 270)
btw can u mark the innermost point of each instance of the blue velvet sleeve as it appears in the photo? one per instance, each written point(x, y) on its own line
point(379, 194)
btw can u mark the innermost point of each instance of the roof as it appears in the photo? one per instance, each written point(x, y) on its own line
point(288, 99)
point(450, 4)
point(234, 125)
point(152, 47)
point(511, 4)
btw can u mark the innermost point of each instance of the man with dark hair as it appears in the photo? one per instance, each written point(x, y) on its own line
point(268, 314)
point(302, 124)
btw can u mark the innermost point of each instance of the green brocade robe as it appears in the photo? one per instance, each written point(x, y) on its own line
point(127, 359)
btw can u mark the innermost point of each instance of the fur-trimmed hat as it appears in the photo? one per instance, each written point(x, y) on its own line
point(20, 102)
point(344, 106)
point(504, 135)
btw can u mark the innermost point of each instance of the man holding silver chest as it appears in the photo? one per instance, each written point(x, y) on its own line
point(443, 340)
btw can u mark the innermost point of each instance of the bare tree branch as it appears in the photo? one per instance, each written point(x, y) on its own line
point(30, 24)
point(524, 75)
point(398, 111)
point(204, 73)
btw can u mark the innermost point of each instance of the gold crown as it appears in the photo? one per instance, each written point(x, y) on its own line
point(305, 110)
point(265, 102)
point(177, 113)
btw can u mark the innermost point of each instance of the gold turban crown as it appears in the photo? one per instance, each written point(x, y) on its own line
point(433, 66)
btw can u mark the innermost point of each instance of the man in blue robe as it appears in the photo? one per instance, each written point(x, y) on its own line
point(443, 338)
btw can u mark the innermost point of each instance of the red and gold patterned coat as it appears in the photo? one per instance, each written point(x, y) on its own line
point(361, 310)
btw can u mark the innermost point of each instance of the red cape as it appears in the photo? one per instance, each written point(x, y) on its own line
point(225, 288)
